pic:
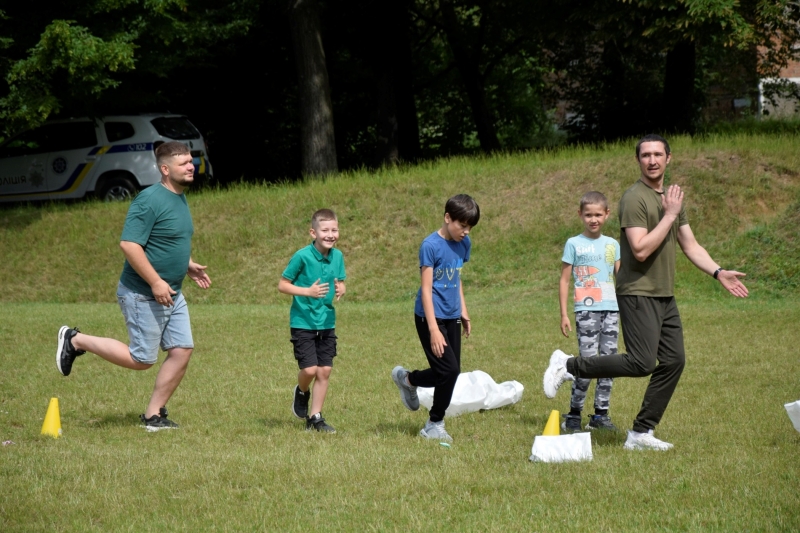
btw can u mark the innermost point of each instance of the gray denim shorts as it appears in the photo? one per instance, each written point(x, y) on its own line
point(152, 325)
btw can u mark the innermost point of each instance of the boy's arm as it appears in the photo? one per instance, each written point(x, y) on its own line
point(466, 325)
point(616, 268)
point(563, 294)
point(437, 339)
point(317, 290)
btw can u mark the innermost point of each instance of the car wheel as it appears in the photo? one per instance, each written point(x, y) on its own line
point(588, 302)
point(117, 189)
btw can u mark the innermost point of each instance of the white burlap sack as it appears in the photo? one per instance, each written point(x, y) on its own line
point(793, 410)
point(562, 448)
point(474, 391)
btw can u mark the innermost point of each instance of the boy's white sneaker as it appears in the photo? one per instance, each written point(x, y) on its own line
point(556, 373)
point(435, 431)
point(645, 441)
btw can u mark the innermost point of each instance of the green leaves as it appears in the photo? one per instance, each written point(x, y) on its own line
point(67, 55)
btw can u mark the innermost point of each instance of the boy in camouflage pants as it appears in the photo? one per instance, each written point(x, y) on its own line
point(591, 261)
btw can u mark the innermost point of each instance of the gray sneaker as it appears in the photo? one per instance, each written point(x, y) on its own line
point(408, 393)
point(645, 441)
point(435, 431)
point(601, 422)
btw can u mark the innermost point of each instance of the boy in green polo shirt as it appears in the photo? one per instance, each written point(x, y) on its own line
point(312, 318)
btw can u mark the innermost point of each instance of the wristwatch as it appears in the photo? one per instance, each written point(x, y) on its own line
point(717, 271)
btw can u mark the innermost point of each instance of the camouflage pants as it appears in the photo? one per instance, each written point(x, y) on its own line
point(598, 333)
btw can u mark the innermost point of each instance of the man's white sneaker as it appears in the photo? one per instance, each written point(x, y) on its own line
point(556, 373)
point(645, 441)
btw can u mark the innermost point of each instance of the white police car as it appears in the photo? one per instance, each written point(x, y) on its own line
point(111, 157)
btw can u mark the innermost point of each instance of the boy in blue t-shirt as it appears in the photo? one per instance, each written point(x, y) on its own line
point(591, 261)
point(440, 313)
point(312, 318)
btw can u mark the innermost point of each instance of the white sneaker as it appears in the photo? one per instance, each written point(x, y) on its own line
point(556, 373)
point(645, 441)
point(435, 431)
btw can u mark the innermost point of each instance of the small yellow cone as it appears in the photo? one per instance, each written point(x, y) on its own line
point(553, 426)
point(52, 420)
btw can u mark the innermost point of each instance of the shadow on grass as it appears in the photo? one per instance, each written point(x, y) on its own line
point(407, 428)
point(116, 420)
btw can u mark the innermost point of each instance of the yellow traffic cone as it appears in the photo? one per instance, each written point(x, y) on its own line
point(52, 420)
point(553, 428)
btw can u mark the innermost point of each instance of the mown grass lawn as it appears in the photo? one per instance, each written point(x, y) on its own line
point(242, 462)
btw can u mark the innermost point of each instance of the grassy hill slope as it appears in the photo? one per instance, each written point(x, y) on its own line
point(742, 198)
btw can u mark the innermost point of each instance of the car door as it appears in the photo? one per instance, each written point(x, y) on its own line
point(71, 158)
point(23, 163)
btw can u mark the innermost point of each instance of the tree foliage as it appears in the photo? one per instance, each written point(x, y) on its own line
point(409, 79)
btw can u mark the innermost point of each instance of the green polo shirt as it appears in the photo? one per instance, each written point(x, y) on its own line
point(640, 207)
point(307, 266)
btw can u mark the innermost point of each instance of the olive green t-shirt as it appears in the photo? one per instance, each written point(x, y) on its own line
point(640, 207)
point(159, 221)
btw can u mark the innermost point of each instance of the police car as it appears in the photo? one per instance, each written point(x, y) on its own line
point(111, 157)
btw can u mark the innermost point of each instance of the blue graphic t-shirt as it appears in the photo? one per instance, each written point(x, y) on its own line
point(592, 263)
point(446, 258)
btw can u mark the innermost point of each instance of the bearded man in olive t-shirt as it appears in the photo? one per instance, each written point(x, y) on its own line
point(652, 222)
point(156, 241)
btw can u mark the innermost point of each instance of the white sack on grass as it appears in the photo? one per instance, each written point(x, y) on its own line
point(793, 409)
point(474, 391)
point(562, 448)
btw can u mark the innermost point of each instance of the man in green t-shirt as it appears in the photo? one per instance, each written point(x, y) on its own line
point(156, 241)
point(652, 222)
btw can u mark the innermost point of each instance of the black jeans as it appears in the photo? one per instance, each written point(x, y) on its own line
point(653, 334)
point(443, 372)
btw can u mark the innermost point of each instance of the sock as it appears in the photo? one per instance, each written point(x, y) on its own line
point(575, 412)
point(601, 412)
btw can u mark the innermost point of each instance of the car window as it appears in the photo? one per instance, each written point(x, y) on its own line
point(116, 131)
point(178, 128)
point(69, 136)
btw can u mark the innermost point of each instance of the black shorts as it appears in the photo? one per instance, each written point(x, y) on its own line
point(314, 347)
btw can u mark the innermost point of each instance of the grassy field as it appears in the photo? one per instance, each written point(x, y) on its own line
point(241, 462)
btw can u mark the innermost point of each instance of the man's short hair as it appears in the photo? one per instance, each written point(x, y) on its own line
point(170, 149)
point(652, 137)
point(462, 208)
point(322, 215)
point(594, 198)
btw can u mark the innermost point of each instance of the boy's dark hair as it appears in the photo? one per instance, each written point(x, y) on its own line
point(649, 138)
point(594, 198)
point(462, 208)
point(170, 149)
point(322, 215)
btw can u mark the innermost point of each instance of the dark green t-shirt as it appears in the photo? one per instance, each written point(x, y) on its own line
point(306, 266)
point(640, 207)
point(159, 221)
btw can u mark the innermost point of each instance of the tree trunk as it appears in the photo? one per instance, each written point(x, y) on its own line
point(679, 87)
point(398, 127)
point(467, 64)
point(318, 146)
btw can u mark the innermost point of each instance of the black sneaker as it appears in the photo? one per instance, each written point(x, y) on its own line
point(66, 352)
point(571, 423)
point(158, 422)
point(318, 423)
point(601, 422)
point(300, 403)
